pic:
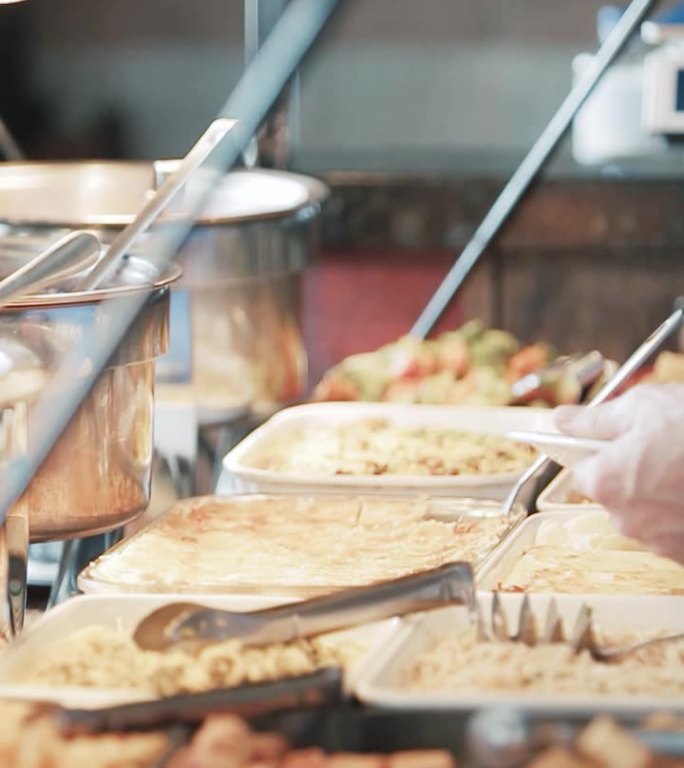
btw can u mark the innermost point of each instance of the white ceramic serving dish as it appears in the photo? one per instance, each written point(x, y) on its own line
point(245, 478)
point(123, 613)
point(555, 497)
point(384, 685)
point(499, 563)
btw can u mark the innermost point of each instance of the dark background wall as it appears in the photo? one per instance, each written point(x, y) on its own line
point(396, 83)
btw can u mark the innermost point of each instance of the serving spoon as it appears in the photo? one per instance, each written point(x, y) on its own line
point(185, 622)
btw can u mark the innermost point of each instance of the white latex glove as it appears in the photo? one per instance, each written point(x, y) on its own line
point(639, 477)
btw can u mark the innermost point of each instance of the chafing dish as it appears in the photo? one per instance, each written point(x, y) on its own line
point(236, 339)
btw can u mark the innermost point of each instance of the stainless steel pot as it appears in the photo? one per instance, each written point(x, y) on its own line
point(97, 476)
point(240, 291)
point(236, 340)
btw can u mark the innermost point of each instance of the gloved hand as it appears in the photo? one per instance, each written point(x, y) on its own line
point(639, 477)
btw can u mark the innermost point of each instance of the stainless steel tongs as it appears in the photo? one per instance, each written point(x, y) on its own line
point(566, 379)
point(533, 631)
point(71, 255)
point(543, 470)
point(192, 623)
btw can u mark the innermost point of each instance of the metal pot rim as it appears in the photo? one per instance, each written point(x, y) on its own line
point(46, 300)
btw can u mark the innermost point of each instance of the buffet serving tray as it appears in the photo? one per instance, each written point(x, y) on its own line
point(498, 564)
point(295, 545)
point(246, 478)
point(554, 498)
point(123, 613)
point(384, 686)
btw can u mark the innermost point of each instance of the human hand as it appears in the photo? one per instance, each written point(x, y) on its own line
point(639, 477)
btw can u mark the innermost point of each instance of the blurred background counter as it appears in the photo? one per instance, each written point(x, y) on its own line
point(415, 114)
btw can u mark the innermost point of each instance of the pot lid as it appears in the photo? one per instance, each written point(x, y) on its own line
point(109, 194)
point(253, 195)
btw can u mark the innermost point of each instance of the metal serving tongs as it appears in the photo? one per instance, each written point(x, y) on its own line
point(71, 255)
point(540, 474)
point(533, 630)
point(567, 378)
point(190, 623)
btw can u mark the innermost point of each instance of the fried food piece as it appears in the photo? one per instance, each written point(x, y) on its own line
point(13, 717)
point(305, 758)
point(30, 738)
point(351, 760)
point(223, 741)
point(664, 721)
point(609, 745)
point(335, 388)
point(527, 360)
point(423, 758)
point(268, 747)
point(559, 757)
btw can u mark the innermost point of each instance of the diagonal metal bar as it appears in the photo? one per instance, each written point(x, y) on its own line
point(531, 166)
point(8, 146)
